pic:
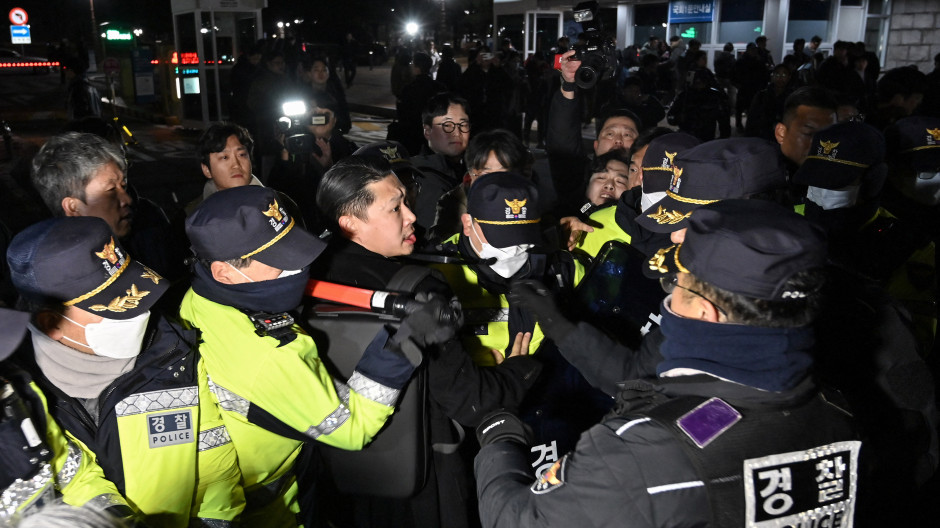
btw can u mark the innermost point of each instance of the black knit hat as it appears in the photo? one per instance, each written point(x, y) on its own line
point(748, 247)
point(712, 171)
point(506, 206)
point(78, 261)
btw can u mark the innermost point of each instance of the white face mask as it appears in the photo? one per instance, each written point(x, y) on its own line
point(114, 338)
point(509, 260)
point(833, 198)
point(648, 200)
point(924, 189)
point(281, 275)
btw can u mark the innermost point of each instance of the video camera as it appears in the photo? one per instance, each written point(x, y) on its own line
point(596, 53)
point(294, 124)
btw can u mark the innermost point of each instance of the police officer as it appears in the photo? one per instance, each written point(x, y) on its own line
point(707, 173)
point(40, 460)
point(733, 430)
point(265, 371)
point(123, 381)
point(501, 241)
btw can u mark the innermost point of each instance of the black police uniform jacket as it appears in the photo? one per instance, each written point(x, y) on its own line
point(634, 470)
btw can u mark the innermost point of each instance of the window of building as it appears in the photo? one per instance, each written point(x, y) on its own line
point(741, 21)
point(808, 18)
point(649, 20)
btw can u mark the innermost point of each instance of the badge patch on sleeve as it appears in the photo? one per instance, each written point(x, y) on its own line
point(816, 487)
point(170, 428)
point(552, 479)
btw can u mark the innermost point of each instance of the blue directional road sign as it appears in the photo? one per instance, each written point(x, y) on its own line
point(20, 35)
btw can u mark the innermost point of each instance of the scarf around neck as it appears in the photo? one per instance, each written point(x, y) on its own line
point(75, 373)
point(772, 359)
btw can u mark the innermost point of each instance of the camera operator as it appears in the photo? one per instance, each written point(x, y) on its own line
point(616, 128)
point(311, 144)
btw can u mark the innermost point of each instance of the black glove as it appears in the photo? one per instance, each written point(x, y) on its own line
point(502, 426)
point(436, 321)
point(533, 296)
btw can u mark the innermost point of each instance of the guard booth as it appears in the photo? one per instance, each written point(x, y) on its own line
point(209, 36)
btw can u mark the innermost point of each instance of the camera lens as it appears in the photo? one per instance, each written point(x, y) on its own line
point(585, 77)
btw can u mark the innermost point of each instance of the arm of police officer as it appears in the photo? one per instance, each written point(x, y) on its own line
point(466, 391)
point(609, 479)
point(602, 361)
point(393, 356)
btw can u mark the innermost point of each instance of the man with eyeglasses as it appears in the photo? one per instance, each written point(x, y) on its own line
point(447, 131)
point(733, 430)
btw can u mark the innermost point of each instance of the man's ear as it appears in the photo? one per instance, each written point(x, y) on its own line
point(349, 224)
point(205, 171)
point(707, 310)
point(71, 206)
point(221, 271)
point(48, 322)
point(467, 221)
point(780, 132)
point(427, 131)
point(595, 145)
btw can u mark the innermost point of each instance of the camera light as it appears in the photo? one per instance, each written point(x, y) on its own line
point(294, 108)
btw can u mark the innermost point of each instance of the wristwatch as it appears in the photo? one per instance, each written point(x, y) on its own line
point(568, 86)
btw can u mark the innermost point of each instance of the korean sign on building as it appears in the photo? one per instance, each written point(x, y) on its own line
point(685, 11)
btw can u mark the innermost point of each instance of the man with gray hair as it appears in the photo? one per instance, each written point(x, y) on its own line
point(80, 174)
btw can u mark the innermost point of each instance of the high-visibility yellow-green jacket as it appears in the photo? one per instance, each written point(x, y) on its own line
point(71, 473)
point(486, 315)
point(251, 374)
point(605, 229)
point(159, 436)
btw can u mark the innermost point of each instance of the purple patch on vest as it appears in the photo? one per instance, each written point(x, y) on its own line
point(707, 421)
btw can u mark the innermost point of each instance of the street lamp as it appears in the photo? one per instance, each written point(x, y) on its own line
point(411, 28)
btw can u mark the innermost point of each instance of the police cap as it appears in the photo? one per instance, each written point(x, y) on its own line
point(506, 206)
point(840, 155)
point(77, 261)
point(748, 247)
point(713, 171)
point(248, 221)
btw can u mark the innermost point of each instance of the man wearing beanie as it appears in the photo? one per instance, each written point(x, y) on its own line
point(733, 430)
point(126, 383)
point(265, 371)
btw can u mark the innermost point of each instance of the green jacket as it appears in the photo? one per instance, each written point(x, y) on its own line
point(159, 435)
point(251, 375)
point(72, 472)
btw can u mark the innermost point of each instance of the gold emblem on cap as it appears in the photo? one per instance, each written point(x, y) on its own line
point(935, 133)
point(828, 146)
point(152, 275)
point(516, 205)
point(391, 153)
point(122, 304)
point(662, 216)
point(671, 156)
point(659, 259)
point(273, 212)
point(108, 252)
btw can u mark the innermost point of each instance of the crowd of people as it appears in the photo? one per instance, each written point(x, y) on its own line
point(665, 327)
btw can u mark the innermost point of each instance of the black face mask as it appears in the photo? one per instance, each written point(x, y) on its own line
point(274, 296)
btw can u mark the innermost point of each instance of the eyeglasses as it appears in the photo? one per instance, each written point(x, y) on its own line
point(449, 126)
point(671, 281)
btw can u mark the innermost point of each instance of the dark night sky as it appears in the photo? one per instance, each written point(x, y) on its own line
point(53, 19)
